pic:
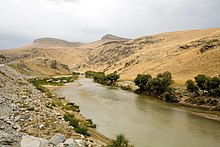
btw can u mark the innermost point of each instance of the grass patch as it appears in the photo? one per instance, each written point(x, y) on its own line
point(52, 81)
point(82, 130)
point(71, 106)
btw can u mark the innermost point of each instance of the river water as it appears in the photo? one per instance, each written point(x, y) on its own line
point(146, 121)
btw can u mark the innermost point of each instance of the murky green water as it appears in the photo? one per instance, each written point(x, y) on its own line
point(146, 121)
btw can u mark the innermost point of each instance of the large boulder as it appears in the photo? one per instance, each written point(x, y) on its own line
point(31, 141)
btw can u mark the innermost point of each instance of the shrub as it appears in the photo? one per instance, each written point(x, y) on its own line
point(141, 80)
point(204, 83)
point(82, 130)
point(71, 106)
point(112, 77)
point(120, 141)
point(201, 81)
point(155, 86)
point(74, 122)
point(68, 117)
point(191, 86)
point(169, 97)
point(101, 78)
point(89, 123)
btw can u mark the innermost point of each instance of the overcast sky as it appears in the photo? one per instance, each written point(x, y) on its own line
point(22, 21)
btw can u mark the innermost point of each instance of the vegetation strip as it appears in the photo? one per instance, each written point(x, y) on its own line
point(203, 93)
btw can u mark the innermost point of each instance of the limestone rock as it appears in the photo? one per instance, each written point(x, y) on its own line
point(31, 141)
point(56, 139)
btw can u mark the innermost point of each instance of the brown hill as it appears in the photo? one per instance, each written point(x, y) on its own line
point(53, 42)
point(183, 53)
point(41, 67)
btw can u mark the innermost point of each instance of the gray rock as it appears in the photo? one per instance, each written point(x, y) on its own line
point(56, 139)
point(43, 142)
point(7, 140)
point(31, 141)
point(26, 116)
point(70, 143)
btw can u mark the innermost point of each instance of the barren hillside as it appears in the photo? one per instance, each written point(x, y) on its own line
point(183, 53)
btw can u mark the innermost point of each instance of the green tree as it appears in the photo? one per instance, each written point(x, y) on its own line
point(149, 87)
point(120, 141)
point(141, 80)
point(112, 77)
point(191, 86)
point(201, 81)
point(213, 83)
point(162, 82)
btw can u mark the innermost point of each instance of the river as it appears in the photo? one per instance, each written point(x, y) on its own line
point(146, 121)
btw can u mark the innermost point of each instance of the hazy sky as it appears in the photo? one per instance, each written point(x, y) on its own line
point(22, 21)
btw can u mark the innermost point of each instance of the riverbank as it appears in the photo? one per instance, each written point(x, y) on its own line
point(30, 117)
point(185, 101)
point(94, 134)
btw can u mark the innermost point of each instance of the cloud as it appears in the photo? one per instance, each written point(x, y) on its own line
point(88, 20)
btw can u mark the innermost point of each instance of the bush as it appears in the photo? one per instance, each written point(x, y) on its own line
point(191, 86)
point(204, 83)
point(141, 80)
point(89, 123)
point(169, 97)
point(82, 130)
point(156, 86)
point(201, 81)
point(101, 78)
point(71, 106)
point(120, 141)
point(112, 78)
point(72, 121)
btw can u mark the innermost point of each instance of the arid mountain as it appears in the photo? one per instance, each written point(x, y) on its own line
point(53, 42)
point(183, 53)
point(113, 37)
point(105, 39)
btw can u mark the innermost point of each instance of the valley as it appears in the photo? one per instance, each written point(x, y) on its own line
point(47, 63)
point(184, 53)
